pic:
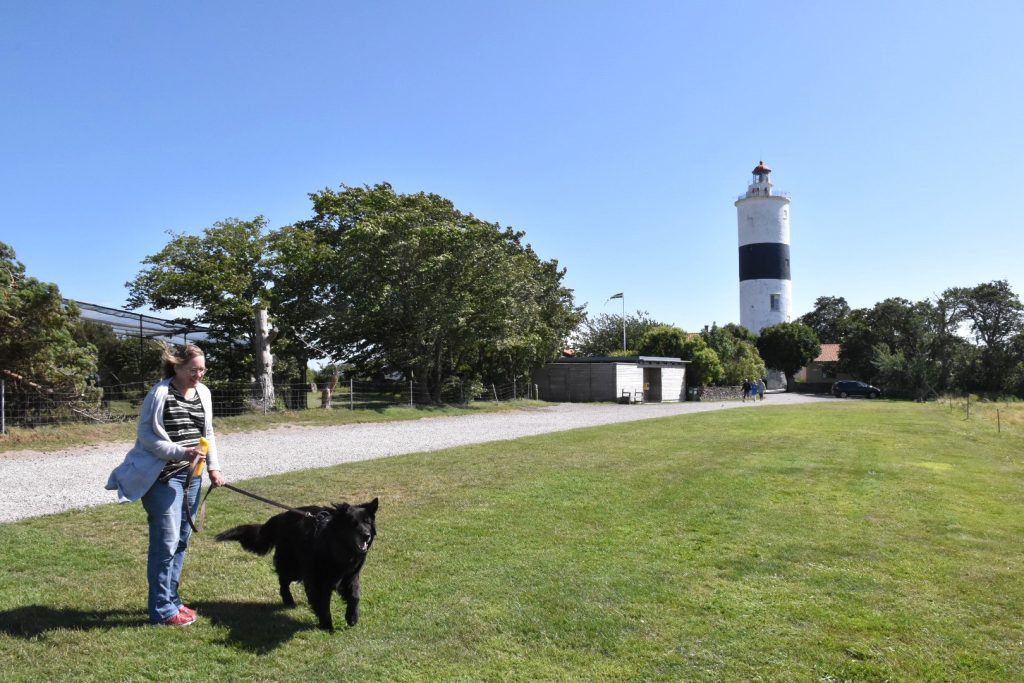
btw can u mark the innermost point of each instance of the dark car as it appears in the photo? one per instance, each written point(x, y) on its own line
point(851, 387)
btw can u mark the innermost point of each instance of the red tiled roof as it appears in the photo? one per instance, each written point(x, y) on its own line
point(829, 354)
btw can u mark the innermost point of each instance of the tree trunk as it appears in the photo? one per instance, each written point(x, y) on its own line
point(265, 334)
point(328, 392)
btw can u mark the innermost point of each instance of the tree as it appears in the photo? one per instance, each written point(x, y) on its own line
point(828, 319)
point(602, 335)
point(666, 341)
point(893, 323)
point(38, 330)
point(120, 361)
point(788, 347)
point(298, 266)
point(736, 349)
point(225, 276)
point(995, 316)
point(411, 284)
point(911, 349)
point(705, 368)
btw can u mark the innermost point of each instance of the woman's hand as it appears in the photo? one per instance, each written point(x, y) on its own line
point(217, 478)
point(194, 455)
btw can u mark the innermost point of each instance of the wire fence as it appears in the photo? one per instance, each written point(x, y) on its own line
point(24, 406)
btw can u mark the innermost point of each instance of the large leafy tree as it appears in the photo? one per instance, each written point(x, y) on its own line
point(736, 348)
point(911, 349)
point(666, 341)
point(788, 347)
point(705, 368)
point(995, 317)
point(828, 318)
point(602, 334)
point(411, 284)
point(38, 330)
point(222, 274)
point(300, 271)
point(120, 360)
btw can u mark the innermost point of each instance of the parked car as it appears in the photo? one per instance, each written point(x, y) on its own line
point(851, 387)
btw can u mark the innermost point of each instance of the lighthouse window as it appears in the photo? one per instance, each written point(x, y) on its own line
point(775, 302)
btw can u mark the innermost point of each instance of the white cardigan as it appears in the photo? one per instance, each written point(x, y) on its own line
point(153, 447)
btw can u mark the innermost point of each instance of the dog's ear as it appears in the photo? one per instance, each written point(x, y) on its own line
point(371, 507)
point(340, 507)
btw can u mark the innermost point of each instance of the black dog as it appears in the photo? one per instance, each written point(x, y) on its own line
point(324, 551)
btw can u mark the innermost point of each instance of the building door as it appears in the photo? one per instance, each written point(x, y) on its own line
point(652, 385)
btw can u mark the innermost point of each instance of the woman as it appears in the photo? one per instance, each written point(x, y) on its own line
point(176, 412)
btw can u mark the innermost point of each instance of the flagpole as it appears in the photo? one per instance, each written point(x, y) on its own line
point(622, 296)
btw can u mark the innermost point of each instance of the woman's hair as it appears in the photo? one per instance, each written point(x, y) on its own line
point(178, 355)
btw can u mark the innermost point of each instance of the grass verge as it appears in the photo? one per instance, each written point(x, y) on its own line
point(52, 438)
point(859, 540)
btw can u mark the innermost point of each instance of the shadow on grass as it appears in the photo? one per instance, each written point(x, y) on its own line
point(32, 621)
point(255, 627)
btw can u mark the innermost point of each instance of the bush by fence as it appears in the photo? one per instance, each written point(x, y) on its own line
point(24, 406)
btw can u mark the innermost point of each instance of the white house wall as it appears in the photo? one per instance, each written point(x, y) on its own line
point(628, 378)
point(673, 384)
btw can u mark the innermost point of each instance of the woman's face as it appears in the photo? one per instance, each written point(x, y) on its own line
point(189, 374)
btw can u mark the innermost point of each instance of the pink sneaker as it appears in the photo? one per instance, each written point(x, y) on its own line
point(180, 619)
point(189, 611)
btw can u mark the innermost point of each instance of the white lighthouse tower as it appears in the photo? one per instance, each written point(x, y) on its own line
point(766, 291)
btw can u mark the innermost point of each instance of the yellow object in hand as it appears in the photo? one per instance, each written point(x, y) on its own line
point(204, 447)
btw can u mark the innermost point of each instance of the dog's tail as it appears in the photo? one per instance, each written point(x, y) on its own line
point(253, 537)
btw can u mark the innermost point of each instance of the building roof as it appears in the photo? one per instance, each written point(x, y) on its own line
point(829, 354)
point(647, 361)
point(761, 168)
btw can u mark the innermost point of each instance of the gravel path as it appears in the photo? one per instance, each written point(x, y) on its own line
point(33, 483)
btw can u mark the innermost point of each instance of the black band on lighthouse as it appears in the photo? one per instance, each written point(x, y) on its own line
point(764, 261)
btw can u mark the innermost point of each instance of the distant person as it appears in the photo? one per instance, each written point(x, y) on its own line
point(764, 387)
point(746, 389)
point(176, 412)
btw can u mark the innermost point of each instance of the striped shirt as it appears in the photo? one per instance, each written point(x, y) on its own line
point(184, 421)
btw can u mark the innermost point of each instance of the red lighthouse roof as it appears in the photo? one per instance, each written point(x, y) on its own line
point(761, 169)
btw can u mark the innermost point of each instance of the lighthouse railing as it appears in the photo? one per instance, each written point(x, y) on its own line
point(774, 193)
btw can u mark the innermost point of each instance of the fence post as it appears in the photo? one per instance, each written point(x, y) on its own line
point(515, 393)
point(351, 394)
point(999, 423)
point(410, 393)
point(3, 407)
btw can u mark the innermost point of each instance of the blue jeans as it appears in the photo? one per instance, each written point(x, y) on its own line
point(168, 540)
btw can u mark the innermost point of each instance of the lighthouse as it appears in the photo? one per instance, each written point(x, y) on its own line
point(766, 291)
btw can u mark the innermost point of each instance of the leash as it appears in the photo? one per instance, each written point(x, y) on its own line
point(192, 472)
point(202, 507)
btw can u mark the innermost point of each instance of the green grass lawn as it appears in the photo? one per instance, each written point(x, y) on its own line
point(856, 540)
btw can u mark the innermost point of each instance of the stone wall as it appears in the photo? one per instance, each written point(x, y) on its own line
point(720, 393)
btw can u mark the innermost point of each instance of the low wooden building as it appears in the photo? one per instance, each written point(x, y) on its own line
point(610, 378)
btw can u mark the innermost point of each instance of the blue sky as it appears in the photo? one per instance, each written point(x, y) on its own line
point(617, 135)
